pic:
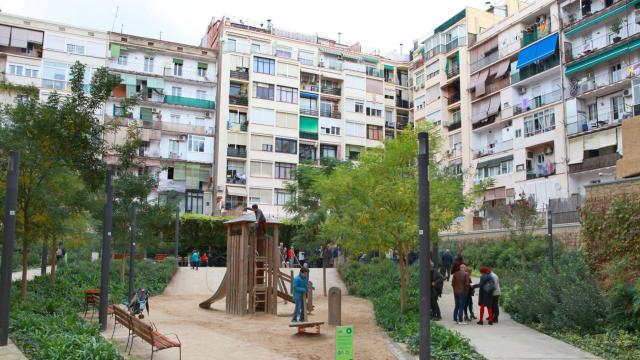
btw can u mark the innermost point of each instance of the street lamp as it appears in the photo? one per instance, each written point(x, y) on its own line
point(423, 239)
point(132, 246)
point(177, 234)
point(106, 253)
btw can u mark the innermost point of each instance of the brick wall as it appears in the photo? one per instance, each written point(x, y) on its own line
point(609, 189)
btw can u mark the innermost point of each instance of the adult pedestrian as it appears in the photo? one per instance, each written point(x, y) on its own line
point(468, 310)
point(291, 254)
point(496, 297)
point(447, 261)
point(486, 287)
point(437, 281)
point(456, 264)
point(460, 284)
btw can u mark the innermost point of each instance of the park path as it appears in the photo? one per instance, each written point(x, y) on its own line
point(31, 273)
point(507, 340)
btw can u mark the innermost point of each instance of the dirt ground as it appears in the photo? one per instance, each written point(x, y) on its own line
point(213, 334)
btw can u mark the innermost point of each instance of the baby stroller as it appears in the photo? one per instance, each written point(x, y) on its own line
point(139, 302)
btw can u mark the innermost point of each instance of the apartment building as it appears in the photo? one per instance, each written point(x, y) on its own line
point(440, 72)
point(516, 111)
point(176, 87)
point(601, 68)
point(41, 53)
point(287, 98)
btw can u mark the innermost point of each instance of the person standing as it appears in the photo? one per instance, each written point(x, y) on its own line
point(456, 264)
point(195, 259)
point(299, 288)
point(485, 298)
point(460, 284)
point(204, 260)
point(437, 281)
point(468, 310)
point(447, 261)
point(496, 297)
point(291, 254)
point(260, 219)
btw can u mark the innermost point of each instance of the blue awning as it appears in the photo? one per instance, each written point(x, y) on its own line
point(538, 51)
point(308, 95)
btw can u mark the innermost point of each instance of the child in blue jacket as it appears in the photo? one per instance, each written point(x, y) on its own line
point(300, 284)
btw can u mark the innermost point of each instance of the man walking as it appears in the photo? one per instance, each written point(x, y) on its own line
point(447, 260)
point(460, 284)
point(496, 297)
point(299, 286)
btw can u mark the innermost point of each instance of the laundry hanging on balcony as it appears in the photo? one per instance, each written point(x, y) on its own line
point(538, 51)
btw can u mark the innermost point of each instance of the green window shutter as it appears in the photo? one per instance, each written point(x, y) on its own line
point(131, 91)
point(177, 61)
point(114, 110)
point(193, 176)
point(388, 67)
point(308, 124)
point(202, 66)
point(180, 172)
point(155, 83)
point(115, 50)
point(146, 114)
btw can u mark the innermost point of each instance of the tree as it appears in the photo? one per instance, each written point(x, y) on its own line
point(521, 218)
point(58, 137)
point(374, 206)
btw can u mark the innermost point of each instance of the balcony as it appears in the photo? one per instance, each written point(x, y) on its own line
point(237, 152)
point(602, 80)
point(238, 100)
point(580, 20)
point(402, 121)
point(185, 101)
point(310, 112)
point(308, 135)
point(390, 124)
point(535, 69)
point(602, 119)
point(454, 122)
point(309, 87)
point(239, 179)
point(331, 114)
point(543, 169)
point(405, 104)
point(594, 163)
point(492, 87)
point(491, 58)
point(375, 72)
point(537, 102)
point(455, 43)
point(453, 71)
point(336, 91)
point(494, 148)
point(453, 99)
point(242, 75)
point(236, 126)
point(536, 33)
point(331, 64)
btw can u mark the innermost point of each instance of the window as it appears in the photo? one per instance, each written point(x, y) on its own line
point(287, 94)
point(328, 151)
point(539, 122)
point(261, 143)
point(176, 91)
point(122, 60)
point(419, 78)
point(264, 65)
point(146, 114)
point(54, 75)
point(263, 91)
point(260, 196)
point(374, 109)
point(355, 82)
point(200, 121)
point(175, 118)
point(288, 70)
point(196, 143)
point(287, 120)
point(235, 90)
point(77, 49)
point(118, 110)
point(309, 105)
point(282, 197)
point(284, 52)
point(231, 45)
point(436, 117)
point(286, 146)
point(306, 58)
point(201, 94)
point(330, 126)
point(374, 132)
point(355, 129)
point(261, 169)
point(202, 70)
point(432, 69)
point(177, 67)
point(502, 168)
point(16, 69)
point(263, 116)
point(354, 105)
point(592, 111)
point(432, 94)
point(22, 70)
point(170, 173)
point(148, 64)
point(285, 171)
point(617, 106)
point(518, 133)
point(194, 204)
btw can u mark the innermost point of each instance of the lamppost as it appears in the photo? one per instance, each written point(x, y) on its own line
point(132, 247)
point(10, 208)
point(177, 235)
point(423, 238)
point(106, 253)
point(550, 235)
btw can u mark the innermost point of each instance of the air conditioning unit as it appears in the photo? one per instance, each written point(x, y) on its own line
point(207, 114)
point(522, 90)
point(548, 150)
point(183, 137)
point(626, 93)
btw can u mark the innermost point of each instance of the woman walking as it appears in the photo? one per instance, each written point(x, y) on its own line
point(485, 299)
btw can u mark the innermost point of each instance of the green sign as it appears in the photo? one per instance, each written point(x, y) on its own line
point(344, 342)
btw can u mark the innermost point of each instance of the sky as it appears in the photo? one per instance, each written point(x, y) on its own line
point(377, 26)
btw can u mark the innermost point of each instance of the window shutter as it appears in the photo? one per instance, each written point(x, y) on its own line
point(177, 61)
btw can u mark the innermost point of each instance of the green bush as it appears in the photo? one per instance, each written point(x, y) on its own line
point(503, 254)
point(47, 326)
point(379, 281)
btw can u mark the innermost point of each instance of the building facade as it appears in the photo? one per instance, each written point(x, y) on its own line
point(287, 98)
point(176, 89)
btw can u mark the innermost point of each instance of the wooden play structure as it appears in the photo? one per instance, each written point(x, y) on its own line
point(253, 281)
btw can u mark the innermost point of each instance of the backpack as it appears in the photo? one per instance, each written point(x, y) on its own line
point(489, 286)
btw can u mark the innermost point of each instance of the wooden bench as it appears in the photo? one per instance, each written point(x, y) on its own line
point(150, 335)
point(122, 317)
point(160, 257)
point(92, 299)
point(302, 327)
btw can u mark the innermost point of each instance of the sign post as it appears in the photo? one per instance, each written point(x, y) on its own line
point(344, 342)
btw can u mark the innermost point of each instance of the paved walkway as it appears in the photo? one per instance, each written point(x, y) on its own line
point(31, 273)
point(507, 339)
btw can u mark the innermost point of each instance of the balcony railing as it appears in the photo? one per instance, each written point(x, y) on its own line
point(331, 90)
point(603, 118)
point(493, 87)
point(237, 152)
point(594, 163)
point(309, 87)
point(537, 102)
point(331, 114)
point(543, 169)
point(236, 180)
point(603, 42)
point(402, 122)
point(484, 61)
point(185, 101)
point(375, 72)
point(453, 99)
point(602, 79)
point(243, 75)
point(390, 124)
point(582, 16)
point(534, 35)
point(232, 125)
point(308, 135)
point(454, 122)
point(331, 64)
point(238, 100)
point(405, 104)
point(311, 112)
point(461, 41)
point(494, 148)
point(535, 69)
point(453, 71)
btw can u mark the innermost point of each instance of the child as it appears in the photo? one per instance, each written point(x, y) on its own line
point(299, 290)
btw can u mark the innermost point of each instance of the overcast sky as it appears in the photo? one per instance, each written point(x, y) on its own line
point(377, 25)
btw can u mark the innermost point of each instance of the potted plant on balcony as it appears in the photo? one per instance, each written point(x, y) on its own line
point(615, 27)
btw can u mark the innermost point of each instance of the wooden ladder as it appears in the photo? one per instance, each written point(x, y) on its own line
point(260, 284)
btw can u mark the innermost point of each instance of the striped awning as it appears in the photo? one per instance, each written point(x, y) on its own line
point(594, 60)
point(598, 19)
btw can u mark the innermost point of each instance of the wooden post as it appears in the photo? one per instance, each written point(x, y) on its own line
point(335, 306)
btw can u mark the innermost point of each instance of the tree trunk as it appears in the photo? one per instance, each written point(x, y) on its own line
point(43, 259)
point(54, 261)
point(325, 259)
point(402, 261)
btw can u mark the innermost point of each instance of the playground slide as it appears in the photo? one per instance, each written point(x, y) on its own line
point(218, 295)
